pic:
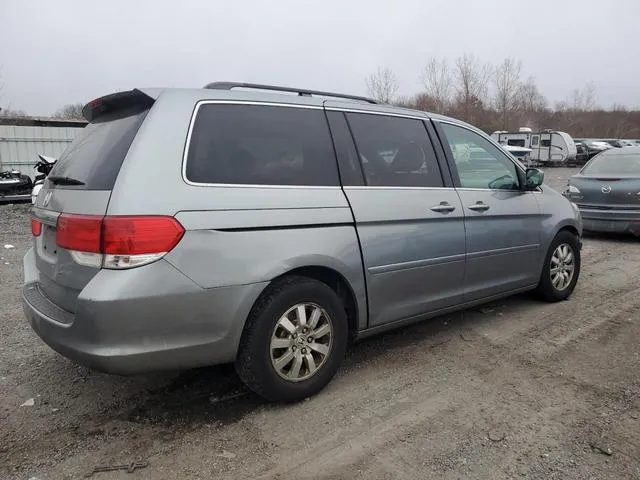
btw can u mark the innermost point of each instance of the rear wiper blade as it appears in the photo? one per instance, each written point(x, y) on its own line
point(64, 180)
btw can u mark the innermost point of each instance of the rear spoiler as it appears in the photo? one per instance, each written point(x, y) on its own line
point(116, 101)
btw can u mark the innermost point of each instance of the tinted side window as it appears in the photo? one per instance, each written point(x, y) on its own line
point(261, 145)
point(480, 164)
point(545, 143)
point(395, 151)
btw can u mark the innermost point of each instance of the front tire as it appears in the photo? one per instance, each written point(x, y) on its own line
point(561, 268)
point(294, 341)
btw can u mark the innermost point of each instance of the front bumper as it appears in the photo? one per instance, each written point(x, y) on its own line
point(127, 322)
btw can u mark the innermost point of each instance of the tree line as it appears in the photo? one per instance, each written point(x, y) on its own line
point(492, 97)
point(499, 97)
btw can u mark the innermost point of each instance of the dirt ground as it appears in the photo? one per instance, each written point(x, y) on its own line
point(516, 389)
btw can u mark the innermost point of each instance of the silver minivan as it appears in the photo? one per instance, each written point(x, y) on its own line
point(270, 227)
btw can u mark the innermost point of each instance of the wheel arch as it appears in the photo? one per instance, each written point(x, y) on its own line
point(338, 283)
point(570, 228)
point(567, 226)
point(335, 279)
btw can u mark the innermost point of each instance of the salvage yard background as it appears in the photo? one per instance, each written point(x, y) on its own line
point(515, 389)
point(23, 139)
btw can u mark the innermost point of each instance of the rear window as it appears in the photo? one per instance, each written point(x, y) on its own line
point(96, 154)
point(613, 165)
point(261, 145)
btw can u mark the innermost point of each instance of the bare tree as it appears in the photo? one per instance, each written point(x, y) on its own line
point(382, 85)
point(507, 83)
point(584, 98)
point(437, 80)
point(530, 105)
point(529, 97)
point(420, 101)
point(8, 112)
point(472, 80)
point(72, 111)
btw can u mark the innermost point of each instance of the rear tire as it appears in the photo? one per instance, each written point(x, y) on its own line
point(561, 268)
point(294, 341)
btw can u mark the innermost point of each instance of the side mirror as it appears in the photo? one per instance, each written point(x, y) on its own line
point(534, 178)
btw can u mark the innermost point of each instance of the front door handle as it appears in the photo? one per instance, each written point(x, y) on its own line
point(479, 207)
point(444, 207)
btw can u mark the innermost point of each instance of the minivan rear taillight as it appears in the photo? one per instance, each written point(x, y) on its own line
point(117, 241)
point(36, 227)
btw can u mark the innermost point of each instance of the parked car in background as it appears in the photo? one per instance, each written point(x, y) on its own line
point(607, 191)
point(582, 155)
point(522, 154)
point(273, 228)
point(613, 142)
point(14, 186)
point(594, 147)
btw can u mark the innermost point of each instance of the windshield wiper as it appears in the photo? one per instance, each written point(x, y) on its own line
point(64, 180)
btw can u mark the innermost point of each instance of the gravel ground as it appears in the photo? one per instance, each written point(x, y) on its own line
point(517, 389)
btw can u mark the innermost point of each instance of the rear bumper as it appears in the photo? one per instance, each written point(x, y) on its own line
point(127, 322)
point(614, 221)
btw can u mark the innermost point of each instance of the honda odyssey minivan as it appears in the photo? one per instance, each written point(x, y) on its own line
point(269, 227)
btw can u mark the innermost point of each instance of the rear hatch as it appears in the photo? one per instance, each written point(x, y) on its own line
point(607, 192)
point(79, 188)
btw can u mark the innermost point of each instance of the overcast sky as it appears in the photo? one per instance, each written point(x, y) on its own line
point(64, 51)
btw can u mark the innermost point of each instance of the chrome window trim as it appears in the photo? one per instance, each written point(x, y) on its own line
point(373, 112)
point(185, 154)
point(382, 187)
point(471, 189)
point(320, 187)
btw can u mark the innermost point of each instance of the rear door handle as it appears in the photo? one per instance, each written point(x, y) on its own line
point(444, 207)
point(479, 207)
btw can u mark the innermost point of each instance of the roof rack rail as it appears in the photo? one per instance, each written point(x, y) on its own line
point(300, 91)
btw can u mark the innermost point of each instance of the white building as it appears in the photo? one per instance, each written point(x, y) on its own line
point(22, 139)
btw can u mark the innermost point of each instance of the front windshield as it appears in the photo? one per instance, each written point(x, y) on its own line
point(613, 165)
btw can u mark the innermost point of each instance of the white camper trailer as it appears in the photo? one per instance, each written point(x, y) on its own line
point(548, 146)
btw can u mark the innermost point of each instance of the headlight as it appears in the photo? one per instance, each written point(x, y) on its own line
point(576, 212)
point(572, 189)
